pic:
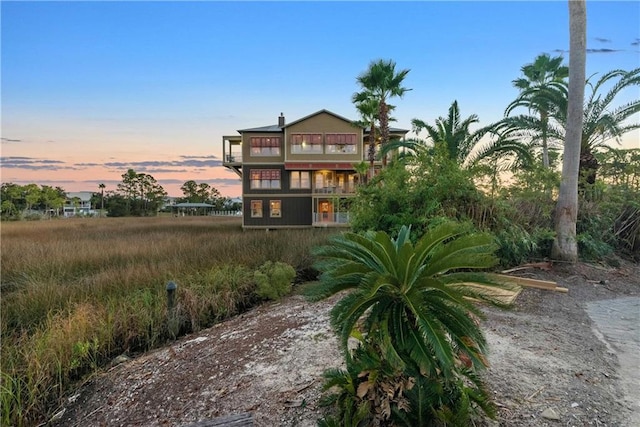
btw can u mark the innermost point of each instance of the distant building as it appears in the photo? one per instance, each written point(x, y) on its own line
point(78, 203)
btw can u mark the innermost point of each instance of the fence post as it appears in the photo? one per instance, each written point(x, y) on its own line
point(172, 317)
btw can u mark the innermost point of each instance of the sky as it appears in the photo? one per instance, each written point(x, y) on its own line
point(91, 89)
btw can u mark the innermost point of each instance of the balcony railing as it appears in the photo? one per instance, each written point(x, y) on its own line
point(233, 158)
point(335, 190)
point(331, 218)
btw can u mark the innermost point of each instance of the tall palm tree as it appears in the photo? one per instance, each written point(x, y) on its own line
point(565, 246)
point(453, 135)
point(102, 187)
point(381, 82)
point(544, 82)
point(407, 302)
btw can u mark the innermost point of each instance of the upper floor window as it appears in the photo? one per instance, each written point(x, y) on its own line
point(265, 146)
point(265, 178)
point(341, 143)
point(300, 179)
point(306, 143)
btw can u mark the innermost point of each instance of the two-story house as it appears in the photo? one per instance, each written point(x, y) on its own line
point(298, 174)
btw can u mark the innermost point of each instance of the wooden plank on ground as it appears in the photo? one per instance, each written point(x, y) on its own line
point(505, 296)
point(530, 283)
point(236, 420)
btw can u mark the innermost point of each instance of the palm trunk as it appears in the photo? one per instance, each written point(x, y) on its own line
point(372, 149)
point(544, 120)
point(384, 128)
point(565, 246)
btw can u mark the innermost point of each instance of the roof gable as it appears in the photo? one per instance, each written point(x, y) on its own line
point(323, 111)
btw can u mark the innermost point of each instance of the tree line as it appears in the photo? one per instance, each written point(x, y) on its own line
point(138, 194)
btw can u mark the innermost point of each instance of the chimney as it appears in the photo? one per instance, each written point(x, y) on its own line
point(281, 120)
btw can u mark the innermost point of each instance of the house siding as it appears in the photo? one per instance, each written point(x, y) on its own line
point(296, 211)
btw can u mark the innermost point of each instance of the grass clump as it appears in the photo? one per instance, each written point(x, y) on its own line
point(273, 280)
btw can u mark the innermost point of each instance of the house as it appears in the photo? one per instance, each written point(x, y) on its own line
point(78, 203)
point(298, 174)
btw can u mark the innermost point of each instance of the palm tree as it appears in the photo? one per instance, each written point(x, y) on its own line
point(101, 186)
point(565, 246)
point(407, 302)
point(381, 82)
point(543, 84)
point(601, 122)
point(452, 135)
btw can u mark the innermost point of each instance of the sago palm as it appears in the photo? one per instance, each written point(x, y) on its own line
point(409, 302)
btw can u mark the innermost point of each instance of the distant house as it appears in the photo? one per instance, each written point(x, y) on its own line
point(78, 203)
point(299, 174)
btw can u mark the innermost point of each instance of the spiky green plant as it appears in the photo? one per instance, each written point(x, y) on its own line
point(410, 302)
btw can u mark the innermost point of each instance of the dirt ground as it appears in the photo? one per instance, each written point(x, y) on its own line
point(546, 362)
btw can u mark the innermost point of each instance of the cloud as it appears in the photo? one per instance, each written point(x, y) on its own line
point(198, 157)
point(9, 140)
point(33, 164)
point(602, 50)
point(602, 40)
point(174, 163)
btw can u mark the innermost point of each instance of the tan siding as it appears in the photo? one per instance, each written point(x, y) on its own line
point(246, 148)
point(324, 123)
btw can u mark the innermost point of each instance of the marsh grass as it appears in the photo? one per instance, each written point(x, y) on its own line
point(75, 293)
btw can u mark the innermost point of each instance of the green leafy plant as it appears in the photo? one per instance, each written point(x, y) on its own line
point(274, 280)
point(408, 304)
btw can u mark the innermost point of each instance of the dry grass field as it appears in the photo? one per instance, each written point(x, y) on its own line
point(77, 292)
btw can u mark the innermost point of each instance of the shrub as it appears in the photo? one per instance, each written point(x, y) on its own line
point(274, 280)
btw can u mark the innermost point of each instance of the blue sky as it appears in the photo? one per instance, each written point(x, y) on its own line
point(90, 89)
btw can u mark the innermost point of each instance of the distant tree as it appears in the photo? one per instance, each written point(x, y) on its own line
point(52, 199)
point(542, 86)
point(201, 193)
point(101, 186)
point(141, 192)
point(12, 200)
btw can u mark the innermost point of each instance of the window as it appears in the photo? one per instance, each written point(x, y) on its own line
point(300, 179)
point(256, 209)
point(308, 143)
point(275, 210)
point(265, 178)
point(265, 146)
point(340, 143)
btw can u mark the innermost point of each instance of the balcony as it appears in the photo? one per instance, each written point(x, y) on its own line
point(232, 153)
point(331, 219)
point(345, 189)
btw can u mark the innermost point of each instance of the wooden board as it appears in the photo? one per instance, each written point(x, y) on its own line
point(505, 296)
point(530, 283)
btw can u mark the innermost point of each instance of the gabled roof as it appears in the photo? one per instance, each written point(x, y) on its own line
point(391, 130)
point(276, 128)
point(270, 128)
point(318, 113)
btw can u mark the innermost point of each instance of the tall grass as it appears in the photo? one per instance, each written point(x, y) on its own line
point(77, 292)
